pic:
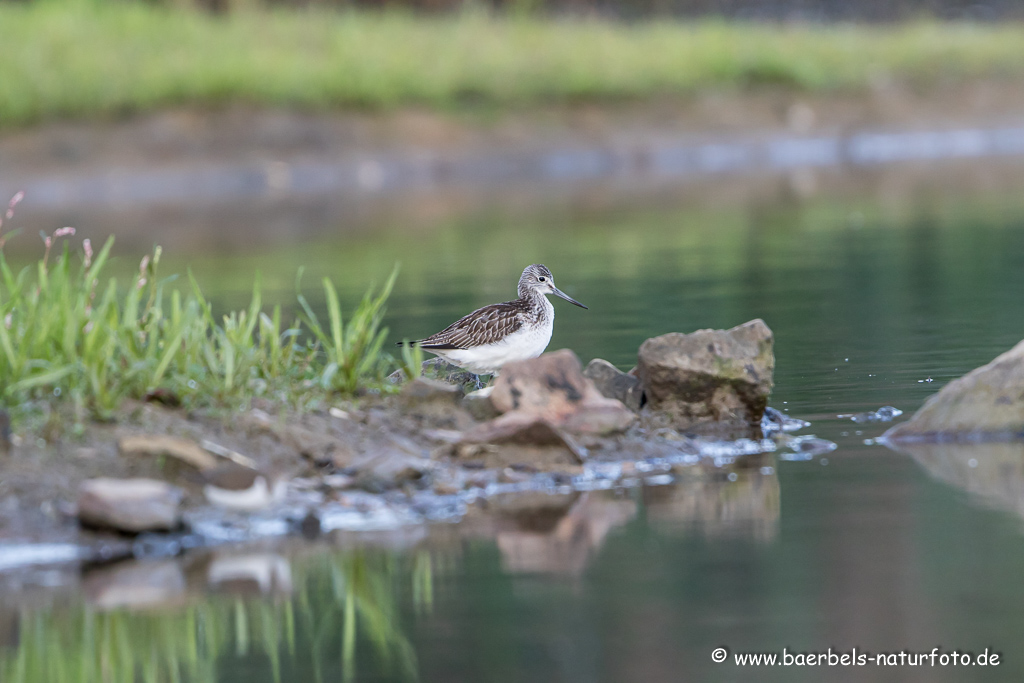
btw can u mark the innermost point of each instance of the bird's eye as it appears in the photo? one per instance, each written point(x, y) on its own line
point(542, 278)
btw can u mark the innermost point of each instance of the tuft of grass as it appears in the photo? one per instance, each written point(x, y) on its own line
point(82, 59)
point(66, 334)
point(353, 351)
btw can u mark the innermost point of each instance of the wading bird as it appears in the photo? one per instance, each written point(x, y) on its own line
point(491, 336)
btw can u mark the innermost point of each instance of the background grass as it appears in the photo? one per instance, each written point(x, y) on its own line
point(79, 59)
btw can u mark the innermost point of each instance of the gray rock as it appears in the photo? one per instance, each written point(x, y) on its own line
point(130, 505)
point(438, 368)
point(985, 404)
point(614, 383)
point(717, 378)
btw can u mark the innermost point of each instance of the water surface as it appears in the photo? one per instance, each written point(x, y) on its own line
point(873, 302)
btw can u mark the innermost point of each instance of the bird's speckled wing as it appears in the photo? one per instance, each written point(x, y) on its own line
point(483, 326)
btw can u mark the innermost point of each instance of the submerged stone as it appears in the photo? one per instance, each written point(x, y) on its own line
point(883, 414)
point(717, 378)
point(776, 421)
point(985, 404)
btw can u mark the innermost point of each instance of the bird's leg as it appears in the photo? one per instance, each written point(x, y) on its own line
point(477, 383)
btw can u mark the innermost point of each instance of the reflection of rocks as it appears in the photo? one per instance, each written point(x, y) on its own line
point(987, 402)
point(718, 507)
point(148, 584)
point(135, 584)
point(713, 379)
point(548, 534)
point(993, 471)
point(250, 575)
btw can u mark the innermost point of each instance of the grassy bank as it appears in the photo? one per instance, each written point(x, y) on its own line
point(70, 335)
point(62, 59)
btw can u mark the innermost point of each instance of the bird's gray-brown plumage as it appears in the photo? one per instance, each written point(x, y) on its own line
point(485, 325)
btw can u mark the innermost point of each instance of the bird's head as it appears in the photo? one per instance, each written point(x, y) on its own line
point(537, 278)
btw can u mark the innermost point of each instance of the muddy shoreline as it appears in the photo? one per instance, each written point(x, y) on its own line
point(427, 453)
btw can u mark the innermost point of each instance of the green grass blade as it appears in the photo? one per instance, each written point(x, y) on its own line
point(51, 377)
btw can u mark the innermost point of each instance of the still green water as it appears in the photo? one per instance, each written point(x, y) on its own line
point(871, 304)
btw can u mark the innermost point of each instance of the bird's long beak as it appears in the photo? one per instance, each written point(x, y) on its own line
point(557, 292)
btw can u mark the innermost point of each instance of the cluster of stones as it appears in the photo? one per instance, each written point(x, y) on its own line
point(546, 414)
point(543, 411)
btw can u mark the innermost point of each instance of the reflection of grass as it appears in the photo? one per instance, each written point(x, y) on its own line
point(86, 58)
point(341, 600)
point(63, 333)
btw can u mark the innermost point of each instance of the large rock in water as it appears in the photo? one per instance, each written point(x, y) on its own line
point(719, 378)
point(985, 404)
